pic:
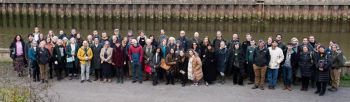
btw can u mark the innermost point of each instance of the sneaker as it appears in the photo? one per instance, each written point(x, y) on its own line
point(88, 80)
point(82, 81)
point(133, 81)
point(206, 84)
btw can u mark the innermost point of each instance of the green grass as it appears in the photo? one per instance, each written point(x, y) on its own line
point(345, 80)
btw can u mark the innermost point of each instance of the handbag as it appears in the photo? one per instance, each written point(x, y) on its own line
point(164, 65)
point(70, 59)
point(148, 69)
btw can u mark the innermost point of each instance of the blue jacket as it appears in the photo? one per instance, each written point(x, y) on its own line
point(32, 54)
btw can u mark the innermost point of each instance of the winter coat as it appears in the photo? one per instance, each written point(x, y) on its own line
point(43, 56)
point(197, 68)
point(261, 57)
point(57, 55)
point(96, 59)
point(155, 62)
point(118, 57)
point(222, 59)
point(84, 52)
point(276, 57)
point(305, 63)
point(322, 62)
point(135, 53)
point(109, 52)
point(337, 59)
point(147, 54)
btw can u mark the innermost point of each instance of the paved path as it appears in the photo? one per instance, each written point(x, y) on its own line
point(74, 91)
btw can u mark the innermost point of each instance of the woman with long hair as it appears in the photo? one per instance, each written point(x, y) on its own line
point(194, 67)
point(17, 53)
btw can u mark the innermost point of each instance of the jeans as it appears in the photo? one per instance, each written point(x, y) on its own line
point(287, 75)
point(272, 77)
point(85, 71)
point(136, 68)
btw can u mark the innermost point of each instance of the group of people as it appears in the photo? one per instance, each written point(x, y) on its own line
point(180, 59)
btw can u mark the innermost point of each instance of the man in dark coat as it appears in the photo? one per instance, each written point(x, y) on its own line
point(96, 60)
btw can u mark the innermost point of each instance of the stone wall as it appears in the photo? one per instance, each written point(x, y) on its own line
point(240, 2)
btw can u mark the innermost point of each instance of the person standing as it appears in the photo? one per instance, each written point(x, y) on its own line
point(34, 63)
point(36, 34)
point(155, 65)
point(236, 62)
point(209, 70)
point(218, 40)
point(276, 58)
point(194, 67)
point(135, 55)
point(148, 51)
point(337, 61)
point(85, 55)
point(287, 64)
point(17, 53)
point(305, 63)
point(142, 38)
point(59, 58)
point(96, 59)
point(72, 60)
point(106, 61)
point(49, 45)
point(323, 66)
point(261, 59)
point(43, 56)
point(170, 60)
point(183, 39)
point(118, 60)
point(222, 60)
point(249, 56)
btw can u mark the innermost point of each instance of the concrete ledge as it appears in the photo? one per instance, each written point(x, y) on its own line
point(5, 55)
point(209, 2)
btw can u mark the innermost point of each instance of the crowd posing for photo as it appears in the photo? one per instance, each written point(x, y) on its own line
point(185, 60)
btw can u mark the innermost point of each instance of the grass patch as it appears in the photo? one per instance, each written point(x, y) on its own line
point(345, 80)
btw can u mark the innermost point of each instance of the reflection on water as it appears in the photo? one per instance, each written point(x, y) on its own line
point(324, 31)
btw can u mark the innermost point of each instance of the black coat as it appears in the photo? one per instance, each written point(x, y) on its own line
point(13, 49)
point(236, 60)
point(305, 63)
point(96, 60)
point(57, 54)
point(325, 63)
point(209, 70)
point(261, 57)
point(43, 55)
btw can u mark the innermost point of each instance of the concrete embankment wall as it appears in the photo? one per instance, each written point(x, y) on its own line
point(289, 10)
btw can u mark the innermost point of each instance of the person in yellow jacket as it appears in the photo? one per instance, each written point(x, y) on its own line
point(85, 55)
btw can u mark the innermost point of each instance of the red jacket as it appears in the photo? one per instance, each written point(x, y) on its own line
point(135, 53)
